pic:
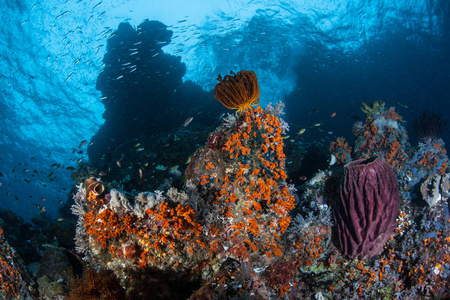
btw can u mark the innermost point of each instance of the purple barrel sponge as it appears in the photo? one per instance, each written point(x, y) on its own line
point(364, 214)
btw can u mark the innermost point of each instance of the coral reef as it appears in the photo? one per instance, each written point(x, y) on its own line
point(237, 229)
point(364, 214)
point(15, 281)
point(435, 188)
point(383, 134)
point(341, 151)
point(57, 269)
point(415, 261)
point(235, 205)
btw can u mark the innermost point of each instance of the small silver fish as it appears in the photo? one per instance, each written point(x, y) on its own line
point(68, 77)
point(97, 5)
point(404, 105)
point(64, 13)
point(188, 121)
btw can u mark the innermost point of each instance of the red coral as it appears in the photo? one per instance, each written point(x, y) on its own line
point(280, 273)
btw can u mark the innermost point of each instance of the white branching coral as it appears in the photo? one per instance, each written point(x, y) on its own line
point(176, 196)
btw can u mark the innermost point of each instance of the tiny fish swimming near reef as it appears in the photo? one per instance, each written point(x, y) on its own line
point(301, 131)
point(404, 105)
point(174, 168)
point(140, 173)
point(333, 114)
point(317, 124)
point(40, 208)
point(79, 160)
point(82, 143)
point(119, 164)
point(140, 149)
point(43, 199)
point(188, 120)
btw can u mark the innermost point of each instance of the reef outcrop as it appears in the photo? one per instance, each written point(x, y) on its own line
point(235, 205)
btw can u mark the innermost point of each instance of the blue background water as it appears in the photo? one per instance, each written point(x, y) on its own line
point(317, 56)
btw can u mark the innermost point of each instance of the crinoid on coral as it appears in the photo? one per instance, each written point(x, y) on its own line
point(238, 91)
point(428, 126)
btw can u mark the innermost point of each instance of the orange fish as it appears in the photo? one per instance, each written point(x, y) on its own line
point(140, 173)
point(119, 164)
point(333, 114)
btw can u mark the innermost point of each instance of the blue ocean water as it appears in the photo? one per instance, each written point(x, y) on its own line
point(319, 57)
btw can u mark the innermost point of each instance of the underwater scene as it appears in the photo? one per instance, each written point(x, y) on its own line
point(224, 149)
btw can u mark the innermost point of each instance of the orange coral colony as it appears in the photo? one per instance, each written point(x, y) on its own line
point(238, 91)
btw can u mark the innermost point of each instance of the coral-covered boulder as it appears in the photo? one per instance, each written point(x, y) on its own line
point(364, 214)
